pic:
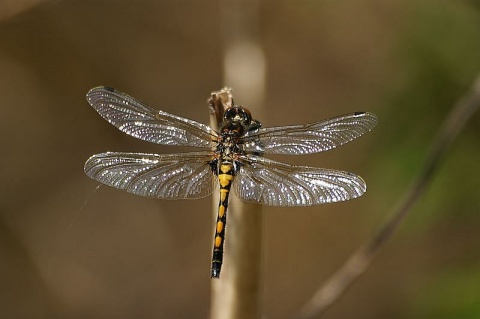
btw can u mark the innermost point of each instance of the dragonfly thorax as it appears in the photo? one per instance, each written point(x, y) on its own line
point(228, 145)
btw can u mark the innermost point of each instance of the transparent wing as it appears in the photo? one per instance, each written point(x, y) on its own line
point(310, 138)
point(172, 176)
point(141, 121)
point(273, 183)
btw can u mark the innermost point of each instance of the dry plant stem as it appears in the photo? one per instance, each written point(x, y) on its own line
point(360, 259)
point(236, 295)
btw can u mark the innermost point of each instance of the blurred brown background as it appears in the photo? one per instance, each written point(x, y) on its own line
point(123, 256)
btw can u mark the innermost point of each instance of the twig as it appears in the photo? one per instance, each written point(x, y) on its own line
point(361, 258)
point(236, 295)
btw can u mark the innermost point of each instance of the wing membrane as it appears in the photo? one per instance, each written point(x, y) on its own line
point(143, 122)
point(172, 176)
point(310, 138)
point(273, 183)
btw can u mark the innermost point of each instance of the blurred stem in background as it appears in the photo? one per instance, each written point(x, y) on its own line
point(237, 293)
point(10, 8)
point(359, 261)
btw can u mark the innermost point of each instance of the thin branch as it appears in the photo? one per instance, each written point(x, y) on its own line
point(362, 257)
point(236, 295)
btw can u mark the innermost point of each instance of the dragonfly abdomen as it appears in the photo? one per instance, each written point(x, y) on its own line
point(225, 179)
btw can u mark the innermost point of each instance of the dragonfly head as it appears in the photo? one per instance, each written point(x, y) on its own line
point(237, 119)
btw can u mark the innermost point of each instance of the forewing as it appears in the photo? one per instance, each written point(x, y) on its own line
point(310, 138)
point(172, 176)
point(267, 182)
point(143, 122)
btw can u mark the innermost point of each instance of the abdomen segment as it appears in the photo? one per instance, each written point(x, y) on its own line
point(225, 179)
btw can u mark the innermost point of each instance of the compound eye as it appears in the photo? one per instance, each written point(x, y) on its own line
point(247, 117)
point(237, 114)
point(229, 114)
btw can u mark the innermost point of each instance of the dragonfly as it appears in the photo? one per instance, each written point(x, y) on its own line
point(230, 158)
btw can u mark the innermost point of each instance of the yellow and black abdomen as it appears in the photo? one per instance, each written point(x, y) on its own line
point(226, 175)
